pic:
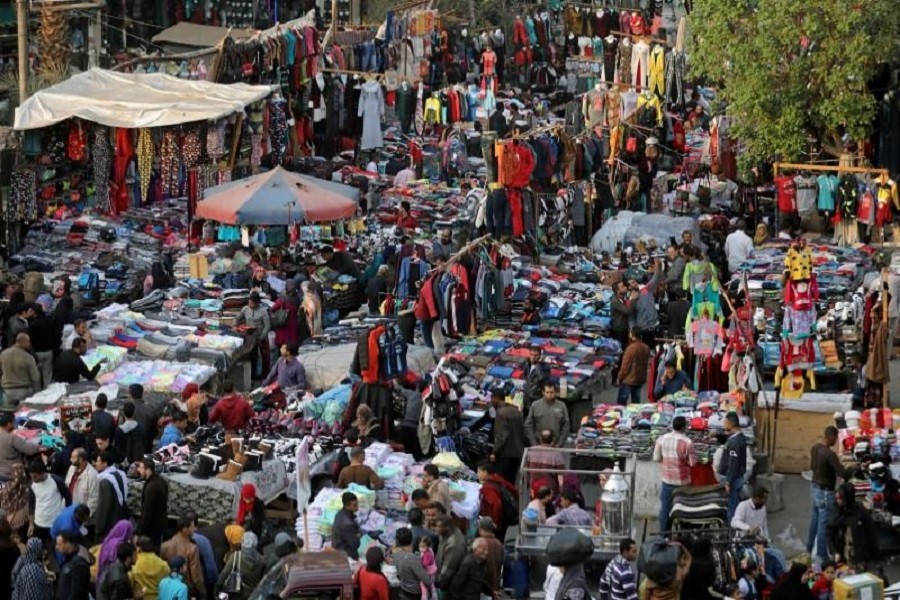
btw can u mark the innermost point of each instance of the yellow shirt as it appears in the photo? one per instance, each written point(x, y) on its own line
point(147, 572)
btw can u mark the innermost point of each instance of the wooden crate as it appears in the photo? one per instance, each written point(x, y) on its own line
point(797, 432)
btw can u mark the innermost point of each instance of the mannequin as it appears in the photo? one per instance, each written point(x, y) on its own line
point(594, 105)
point(610, 50)
point(489, 61)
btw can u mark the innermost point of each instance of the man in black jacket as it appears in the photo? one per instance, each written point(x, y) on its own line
point(129, 435)
point(470, 581)
point(114, 583)
point(69, 367)
point(509, 436)
point(113, 485)
point(155, 502)
point(538, 374)
point(345, 533)
point(146, 415)
point(45, 341)
point(622, 311)
point(733, 465)
point(74, 579)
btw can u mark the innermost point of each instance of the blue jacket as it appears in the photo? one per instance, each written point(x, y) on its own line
point(171, 435)
point(173, 587)
point(670, 386)
point(207, 559)
point(65, 520)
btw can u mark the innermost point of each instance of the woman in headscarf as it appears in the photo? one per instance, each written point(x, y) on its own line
point(795, 585)
point(121, 532)
point(372, 583)
point(244, 557)
point(28, 575)
point(251, 512)
point(14, 499)
point(289, 333)
point(370, 429)
point(312, 307)
point(761, 236)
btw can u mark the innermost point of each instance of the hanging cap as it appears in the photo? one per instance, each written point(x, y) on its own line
point(652, 141)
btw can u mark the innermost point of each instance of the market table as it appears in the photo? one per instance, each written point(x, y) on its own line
point(213, 500)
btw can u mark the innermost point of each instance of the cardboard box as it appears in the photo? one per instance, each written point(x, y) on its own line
point(859, 587)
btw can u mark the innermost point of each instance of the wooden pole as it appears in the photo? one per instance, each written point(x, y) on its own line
point(776, 167)
point(236, 142)
point(305, 530)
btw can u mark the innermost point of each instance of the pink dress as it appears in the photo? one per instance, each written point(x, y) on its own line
point(430, 565)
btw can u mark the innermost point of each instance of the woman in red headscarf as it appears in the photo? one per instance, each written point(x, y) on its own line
point(251, 512)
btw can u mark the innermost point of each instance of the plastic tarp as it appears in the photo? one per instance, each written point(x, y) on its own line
point(134, 100)
point(278, 197)
point(327, 366)
point(811, 402)
point(628, 227)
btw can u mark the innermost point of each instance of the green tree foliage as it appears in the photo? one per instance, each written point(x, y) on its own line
point(791, 69)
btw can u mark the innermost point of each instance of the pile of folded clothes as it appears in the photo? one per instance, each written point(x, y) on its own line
point(702, 505)
point(159, 375)
point(434, 205)
point(635, 428)
point(499, 358)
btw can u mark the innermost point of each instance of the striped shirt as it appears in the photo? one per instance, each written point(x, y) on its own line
point(676, 452)
point(618, 581)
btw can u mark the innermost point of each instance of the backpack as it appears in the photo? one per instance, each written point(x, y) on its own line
point(510, 505)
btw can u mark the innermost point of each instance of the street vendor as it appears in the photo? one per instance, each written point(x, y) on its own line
point(69, 366)
point(339, 261)
point(254, 319)
point(288, 372)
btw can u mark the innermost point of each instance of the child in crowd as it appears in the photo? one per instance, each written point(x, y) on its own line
point(823, 588)
point(430, 565)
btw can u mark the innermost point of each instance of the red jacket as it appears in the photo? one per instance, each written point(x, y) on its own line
point(234, 412)
point(426, 307)
point(524, 166)
point(372, 586)
point(492, 499)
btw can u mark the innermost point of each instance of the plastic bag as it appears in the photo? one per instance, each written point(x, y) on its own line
point(658, 560)
point(569, 547)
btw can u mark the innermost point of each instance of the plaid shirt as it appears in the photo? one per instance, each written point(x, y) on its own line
point(676, 452)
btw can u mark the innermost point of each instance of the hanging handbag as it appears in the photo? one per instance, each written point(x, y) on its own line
point(233, 583)
point(278, 318)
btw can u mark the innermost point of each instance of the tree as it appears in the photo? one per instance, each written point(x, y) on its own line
point(791, 70)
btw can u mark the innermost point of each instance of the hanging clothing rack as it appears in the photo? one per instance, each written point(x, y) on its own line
point(779, 166)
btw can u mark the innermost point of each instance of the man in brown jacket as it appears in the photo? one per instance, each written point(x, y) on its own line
point(633, 373)
point(509, 437)
point(183, 545)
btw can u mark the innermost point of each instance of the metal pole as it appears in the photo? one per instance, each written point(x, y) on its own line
point(22, 27)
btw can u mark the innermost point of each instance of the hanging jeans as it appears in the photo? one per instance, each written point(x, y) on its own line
point(427, 328)
point(497, 213)
point(488, 139)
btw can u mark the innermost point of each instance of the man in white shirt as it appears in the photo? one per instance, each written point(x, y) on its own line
point(750, 515)
point(738, 246)
point(47, 497)
point(80, 330)
point(402, 179)
point(81, 479)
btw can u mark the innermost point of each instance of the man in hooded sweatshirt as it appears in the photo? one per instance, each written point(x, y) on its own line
point(233, 411)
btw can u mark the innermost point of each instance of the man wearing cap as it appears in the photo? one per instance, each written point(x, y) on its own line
point(256, 317)
point(173, 587)
point(13, 448)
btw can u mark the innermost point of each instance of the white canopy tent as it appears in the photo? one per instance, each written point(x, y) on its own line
point(134, 100)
